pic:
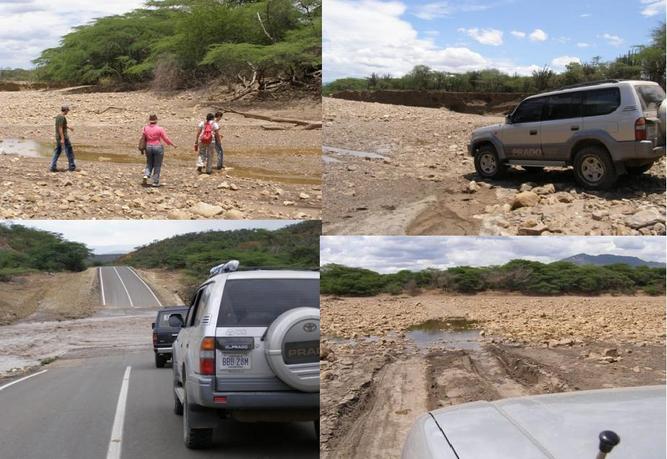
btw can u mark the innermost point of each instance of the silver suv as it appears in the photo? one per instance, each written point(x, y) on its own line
point(603, 129)
point(249, 350)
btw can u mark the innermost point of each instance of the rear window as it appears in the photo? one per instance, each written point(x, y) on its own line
point(257, 302)
point(601, 101)
point(651, 96)
point(163, 318)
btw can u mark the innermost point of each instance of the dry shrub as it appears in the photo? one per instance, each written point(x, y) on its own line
point(167, 75)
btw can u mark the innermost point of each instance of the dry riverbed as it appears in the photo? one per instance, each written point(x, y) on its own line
point(406, 170)
point(387, 360)
point(273, 170)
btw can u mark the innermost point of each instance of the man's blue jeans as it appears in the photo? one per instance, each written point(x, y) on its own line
point(68, 151)
point(220, 152)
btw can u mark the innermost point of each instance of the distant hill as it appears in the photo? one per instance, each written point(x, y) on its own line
point(296, 246)
point(608, 259)
point(24, 249)
point(104, 258)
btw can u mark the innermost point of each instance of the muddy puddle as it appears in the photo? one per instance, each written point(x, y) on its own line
point(33, 149)
point(328, 151)
point(452, 333)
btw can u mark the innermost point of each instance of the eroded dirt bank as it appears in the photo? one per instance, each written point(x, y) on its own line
point(387, 360)
point(406, 169)
point(272, 169)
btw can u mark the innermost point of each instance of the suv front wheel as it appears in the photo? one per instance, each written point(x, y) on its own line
point(594, 169)
point(487, 163)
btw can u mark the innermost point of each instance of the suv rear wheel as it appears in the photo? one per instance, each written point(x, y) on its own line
point(487, 163)
point(159, 360)
point(194, 438)
point(594, 169)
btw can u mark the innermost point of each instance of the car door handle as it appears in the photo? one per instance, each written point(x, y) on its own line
point(574, 128)
point(533, 132)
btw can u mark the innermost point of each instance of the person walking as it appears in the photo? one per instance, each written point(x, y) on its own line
point(218, 142)
point(62, 141)
point(154, 136)
point(207, 134)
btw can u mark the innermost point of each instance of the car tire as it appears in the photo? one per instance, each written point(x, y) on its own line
point(159, 361)
point(317, 428)
point(488, 164)
point(178, 406)
point(638, 170)
point(194, 438)
point(594, 169)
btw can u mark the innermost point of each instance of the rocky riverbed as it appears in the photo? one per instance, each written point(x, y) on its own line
point(272, 169)
point(406, 169)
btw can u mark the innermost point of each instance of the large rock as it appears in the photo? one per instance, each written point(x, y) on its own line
point(206, 210)
point(644, 218)
point(525, 199)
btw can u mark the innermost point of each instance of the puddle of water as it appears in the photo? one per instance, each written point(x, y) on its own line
point(451, 333)
point(355, 153)
point(33, 149)
point(272, 176)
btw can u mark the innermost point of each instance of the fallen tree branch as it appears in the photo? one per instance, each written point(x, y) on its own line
point(111, 108)
point(309, 124)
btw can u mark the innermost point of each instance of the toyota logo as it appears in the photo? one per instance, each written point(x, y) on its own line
point(309, 327)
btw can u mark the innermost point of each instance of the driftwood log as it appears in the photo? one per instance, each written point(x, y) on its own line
point(309, 125)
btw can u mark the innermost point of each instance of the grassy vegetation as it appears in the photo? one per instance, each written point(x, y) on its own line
point(187, 42)
point(528, 277)
point(296, 246)
point(25, 249)
point(641, 62)
point(7, 74)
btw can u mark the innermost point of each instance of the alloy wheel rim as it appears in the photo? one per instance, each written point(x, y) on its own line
point(592, 169)
point(487, 162)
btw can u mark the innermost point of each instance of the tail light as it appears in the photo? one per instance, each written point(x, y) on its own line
point(154, 339)
point(640, 129)
point(207, 356)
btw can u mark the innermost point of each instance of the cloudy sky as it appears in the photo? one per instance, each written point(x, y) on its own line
point(392, 36)
point(29, 26)
point(121, 236)
point(388, 254)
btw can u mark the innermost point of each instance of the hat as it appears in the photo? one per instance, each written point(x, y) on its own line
point(64, 108)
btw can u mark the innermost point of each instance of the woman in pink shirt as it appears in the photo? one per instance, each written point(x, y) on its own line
point(154, 136)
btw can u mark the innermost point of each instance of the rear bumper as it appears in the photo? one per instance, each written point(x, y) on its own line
point(201, 391)
point(644, 149)
point(162, 350)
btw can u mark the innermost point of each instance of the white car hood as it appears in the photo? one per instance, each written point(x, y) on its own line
point(486, 130)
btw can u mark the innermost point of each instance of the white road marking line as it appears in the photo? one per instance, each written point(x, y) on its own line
point(22, 379)
point(143, 282)
point(116, 441)
point(104, 301)
point(123, 283)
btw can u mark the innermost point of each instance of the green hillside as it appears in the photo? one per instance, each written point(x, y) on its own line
point(528, 277)
point(295, 246)
point(25, 249)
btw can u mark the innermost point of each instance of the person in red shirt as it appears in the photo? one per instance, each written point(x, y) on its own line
point(154, 136)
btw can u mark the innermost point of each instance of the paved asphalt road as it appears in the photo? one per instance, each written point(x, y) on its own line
point(122, 287)
point(68, 412)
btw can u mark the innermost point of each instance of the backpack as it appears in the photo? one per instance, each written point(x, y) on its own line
point(207, 135)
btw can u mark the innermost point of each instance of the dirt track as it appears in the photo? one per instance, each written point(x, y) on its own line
point(379, 375)
point(272, 169)
point(406, 170)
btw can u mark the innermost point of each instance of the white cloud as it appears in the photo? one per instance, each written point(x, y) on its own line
point(518, 34)
point(434, 10)
point(493, 37)
point(30, 26)
point(653, 7)
point(613, 40)
point(583, 45)
point(585, 15)
point(538, 35)
point(559, 63)
point(361, 37)
point(390, 254)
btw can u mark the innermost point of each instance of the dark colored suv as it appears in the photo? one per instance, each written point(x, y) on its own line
point(164, 335)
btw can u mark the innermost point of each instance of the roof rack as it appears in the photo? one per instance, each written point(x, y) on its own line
point(227, 267)
point(234, 265)
point(588, 83)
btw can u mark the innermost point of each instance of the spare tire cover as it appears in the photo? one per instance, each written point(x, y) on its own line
point(292, 348)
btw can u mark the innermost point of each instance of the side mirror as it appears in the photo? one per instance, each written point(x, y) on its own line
point(153, 325)
point(176, 321)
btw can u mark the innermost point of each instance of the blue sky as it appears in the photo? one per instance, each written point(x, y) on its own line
point(388, 254)
point(29, 26)
point(391, 36)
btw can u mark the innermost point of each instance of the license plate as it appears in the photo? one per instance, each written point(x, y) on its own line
point(234, 361)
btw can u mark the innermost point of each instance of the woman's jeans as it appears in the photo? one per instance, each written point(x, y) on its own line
point(70, 155)
point(154, 156)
